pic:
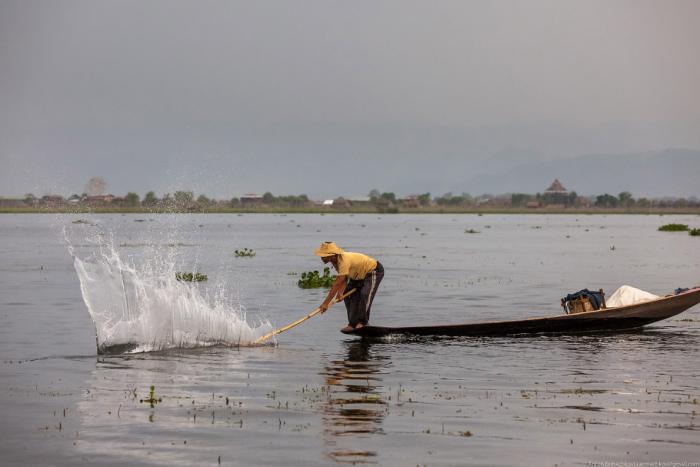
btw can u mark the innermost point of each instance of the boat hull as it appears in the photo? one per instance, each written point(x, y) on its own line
point(610, 319)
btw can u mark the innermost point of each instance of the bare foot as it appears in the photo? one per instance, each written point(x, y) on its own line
point(347, 329)
point(359, 326)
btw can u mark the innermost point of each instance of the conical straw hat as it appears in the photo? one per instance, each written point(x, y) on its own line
point(328, 249)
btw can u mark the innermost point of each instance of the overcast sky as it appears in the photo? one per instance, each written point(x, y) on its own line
point(333, 97)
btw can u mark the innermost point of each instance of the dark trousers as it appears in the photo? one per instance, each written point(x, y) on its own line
point(360, 303)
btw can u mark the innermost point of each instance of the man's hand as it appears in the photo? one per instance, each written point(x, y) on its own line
point(324, 306)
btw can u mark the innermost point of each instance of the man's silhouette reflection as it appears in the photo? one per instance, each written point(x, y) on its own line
point(354, 407)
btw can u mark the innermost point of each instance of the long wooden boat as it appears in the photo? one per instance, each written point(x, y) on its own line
point(609, 319)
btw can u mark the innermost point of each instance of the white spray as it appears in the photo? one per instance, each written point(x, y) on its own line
point(144, 308)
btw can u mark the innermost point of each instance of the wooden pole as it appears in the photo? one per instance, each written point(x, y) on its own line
point(300, 320)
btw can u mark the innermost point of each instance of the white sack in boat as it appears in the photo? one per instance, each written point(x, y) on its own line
point(627, 295)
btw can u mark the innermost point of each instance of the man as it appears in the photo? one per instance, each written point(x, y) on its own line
point(355, 271)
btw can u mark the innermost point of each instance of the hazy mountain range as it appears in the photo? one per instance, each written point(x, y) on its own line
point(671, 172)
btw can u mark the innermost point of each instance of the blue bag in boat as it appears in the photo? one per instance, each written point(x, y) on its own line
point(595, 298)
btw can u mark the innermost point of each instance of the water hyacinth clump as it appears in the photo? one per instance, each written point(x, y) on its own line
point(694, 232)
point(673, 228)
point(313, 280)
point(244, 253)
point(151, 397)
point(190, 277)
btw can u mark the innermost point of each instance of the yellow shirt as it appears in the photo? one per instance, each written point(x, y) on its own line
point(355, 265)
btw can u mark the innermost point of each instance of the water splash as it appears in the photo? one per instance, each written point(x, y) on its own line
point(141, 308)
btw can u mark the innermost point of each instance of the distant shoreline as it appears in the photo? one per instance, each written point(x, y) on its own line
point(358, 210)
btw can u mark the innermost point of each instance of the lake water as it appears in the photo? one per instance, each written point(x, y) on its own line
point(318, 397)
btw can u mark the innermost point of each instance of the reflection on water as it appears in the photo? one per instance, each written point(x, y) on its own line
point(354, 406)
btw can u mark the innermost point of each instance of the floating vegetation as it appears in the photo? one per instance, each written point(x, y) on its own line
point(387, 210)
point(191, 277)
point(80, 221)
point(151, 397)
point(314, 280)
point(694, 232)
point(472, 231)
point(673, 228)
point(244, 253)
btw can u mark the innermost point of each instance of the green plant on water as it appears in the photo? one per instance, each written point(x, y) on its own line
point(244, 253)
point(190, 277)
point(471, 231)
point(694, 232)
point(388, 210)
point(673, 228)
point(314, 280)
point(151, 397)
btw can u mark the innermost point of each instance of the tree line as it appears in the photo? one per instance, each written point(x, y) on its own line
point(184, 200)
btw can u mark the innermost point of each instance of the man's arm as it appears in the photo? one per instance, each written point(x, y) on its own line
point(336, 291)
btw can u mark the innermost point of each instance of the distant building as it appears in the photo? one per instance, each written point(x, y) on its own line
point(500, 201)
point(327, 202)
point(483, 199)
point(360, 201)
point(251, 200)
point(556, 188)
point(384, 203)
point(410, 202)
point(13, 202)
point(341, 203)
point(52, 201)
point(99, 200)
point(557, 197)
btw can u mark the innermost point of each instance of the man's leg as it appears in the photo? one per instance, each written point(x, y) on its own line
point(352, 304)
point(369, 290)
